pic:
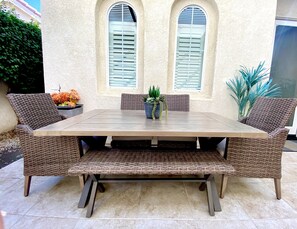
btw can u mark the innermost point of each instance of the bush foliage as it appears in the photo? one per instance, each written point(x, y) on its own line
point(21, 66)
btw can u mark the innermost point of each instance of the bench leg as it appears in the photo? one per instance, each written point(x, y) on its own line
point(92, 199)
point(85, 195)
point(81, 181)
point(223, 185)
point(209, 198)
point(216, 200)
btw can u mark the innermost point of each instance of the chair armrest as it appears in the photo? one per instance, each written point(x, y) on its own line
point(259, 157)
point(279, 132)
point(21, 128)
point(55, 150)
point(275, 142)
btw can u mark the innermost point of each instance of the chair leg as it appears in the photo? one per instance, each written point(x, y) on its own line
point(277, 185)
point(223, 185)
point(27, 185)
point(81, 181)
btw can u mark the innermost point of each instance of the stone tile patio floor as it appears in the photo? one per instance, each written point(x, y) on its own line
point(52, 203)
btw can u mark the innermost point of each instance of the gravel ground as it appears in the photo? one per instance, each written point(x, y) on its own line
point(9, 148)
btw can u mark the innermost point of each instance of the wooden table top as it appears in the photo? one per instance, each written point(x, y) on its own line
point(134, 123)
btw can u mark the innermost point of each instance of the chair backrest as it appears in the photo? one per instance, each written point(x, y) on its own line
point(174, 102)
point(132, 101)
point(268, 114)
point(34, 110)
point(178, 102)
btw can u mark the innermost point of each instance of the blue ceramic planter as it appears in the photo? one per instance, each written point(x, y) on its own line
point(148, 110)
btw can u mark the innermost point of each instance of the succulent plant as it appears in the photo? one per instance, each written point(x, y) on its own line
point(154, 97)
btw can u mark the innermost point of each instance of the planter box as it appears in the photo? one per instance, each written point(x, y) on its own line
point(70, 111)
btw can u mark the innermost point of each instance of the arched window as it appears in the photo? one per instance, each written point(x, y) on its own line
point(122, 46)
point(190, 49)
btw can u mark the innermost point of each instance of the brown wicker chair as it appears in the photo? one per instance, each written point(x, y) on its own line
point(174, 102)
point(135, 102)
point(43, 156)
point(261, 158)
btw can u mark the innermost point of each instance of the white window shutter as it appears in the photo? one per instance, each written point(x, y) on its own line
point(190, 49)
point(122, 50)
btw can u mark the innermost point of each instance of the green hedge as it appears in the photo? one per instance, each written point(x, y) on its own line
point(21, 66)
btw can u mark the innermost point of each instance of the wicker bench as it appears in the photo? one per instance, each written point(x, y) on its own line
point(149, 162)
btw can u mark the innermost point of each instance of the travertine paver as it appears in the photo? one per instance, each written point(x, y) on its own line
point(52, 203)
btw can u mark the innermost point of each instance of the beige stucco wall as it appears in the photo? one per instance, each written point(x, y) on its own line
point(287, 9)
point(75, 50)
point(7, 115)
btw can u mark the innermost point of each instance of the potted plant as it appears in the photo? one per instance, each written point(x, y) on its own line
point(155, 103)
point(249, 85)
point(67, 102)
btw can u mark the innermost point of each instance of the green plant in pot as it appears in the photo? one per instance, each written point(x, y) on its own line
point(154, 103)
point(250, 84)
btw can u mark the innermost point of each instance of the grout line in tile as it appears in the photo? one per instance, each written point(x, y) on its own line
point(21, 216)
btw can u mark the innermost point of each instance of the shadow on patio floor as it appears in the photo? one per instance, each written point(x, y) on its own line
point(9, 148)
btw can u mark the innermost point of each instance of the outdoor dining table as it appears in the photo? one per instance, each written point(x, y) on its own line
point(103, 122)
point(107, 122)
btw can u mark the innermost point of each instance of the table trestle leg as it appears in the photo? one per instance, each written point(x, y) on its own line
point(210, 196)
point(85, 195)
point(92, 199)
point(216, 200)
point(100, 185)
point(93, 183)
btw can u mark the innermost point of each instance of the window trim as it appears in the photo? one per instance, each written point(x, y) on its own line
point(205, 52)
point(107, 48)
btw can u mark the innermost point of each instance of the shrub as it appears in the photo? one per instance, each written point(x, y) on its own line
point(21, 66)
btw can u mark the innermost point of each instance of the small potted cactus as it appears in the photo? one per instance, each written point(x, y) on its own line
point(154, 103)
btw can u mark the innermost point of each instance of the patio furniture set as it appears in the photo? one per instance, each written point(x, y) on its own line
point(53, 146)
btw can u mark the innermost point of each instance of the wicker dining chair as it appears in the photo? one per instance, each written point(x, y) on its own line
point(43, 156)
point(261, 158)
point(135, 102)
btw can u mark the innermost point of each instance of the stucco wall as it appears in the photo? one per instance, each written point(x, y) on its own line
point(74, 47)
point(7, 115)
point(287, 9)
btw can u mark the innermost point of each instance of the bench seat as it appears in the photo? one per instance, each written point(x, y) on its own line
point(152, 161)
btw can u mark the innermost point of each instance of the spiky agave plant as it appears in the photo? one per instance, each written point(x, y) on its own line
point(249, 85)
point(154, 97)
